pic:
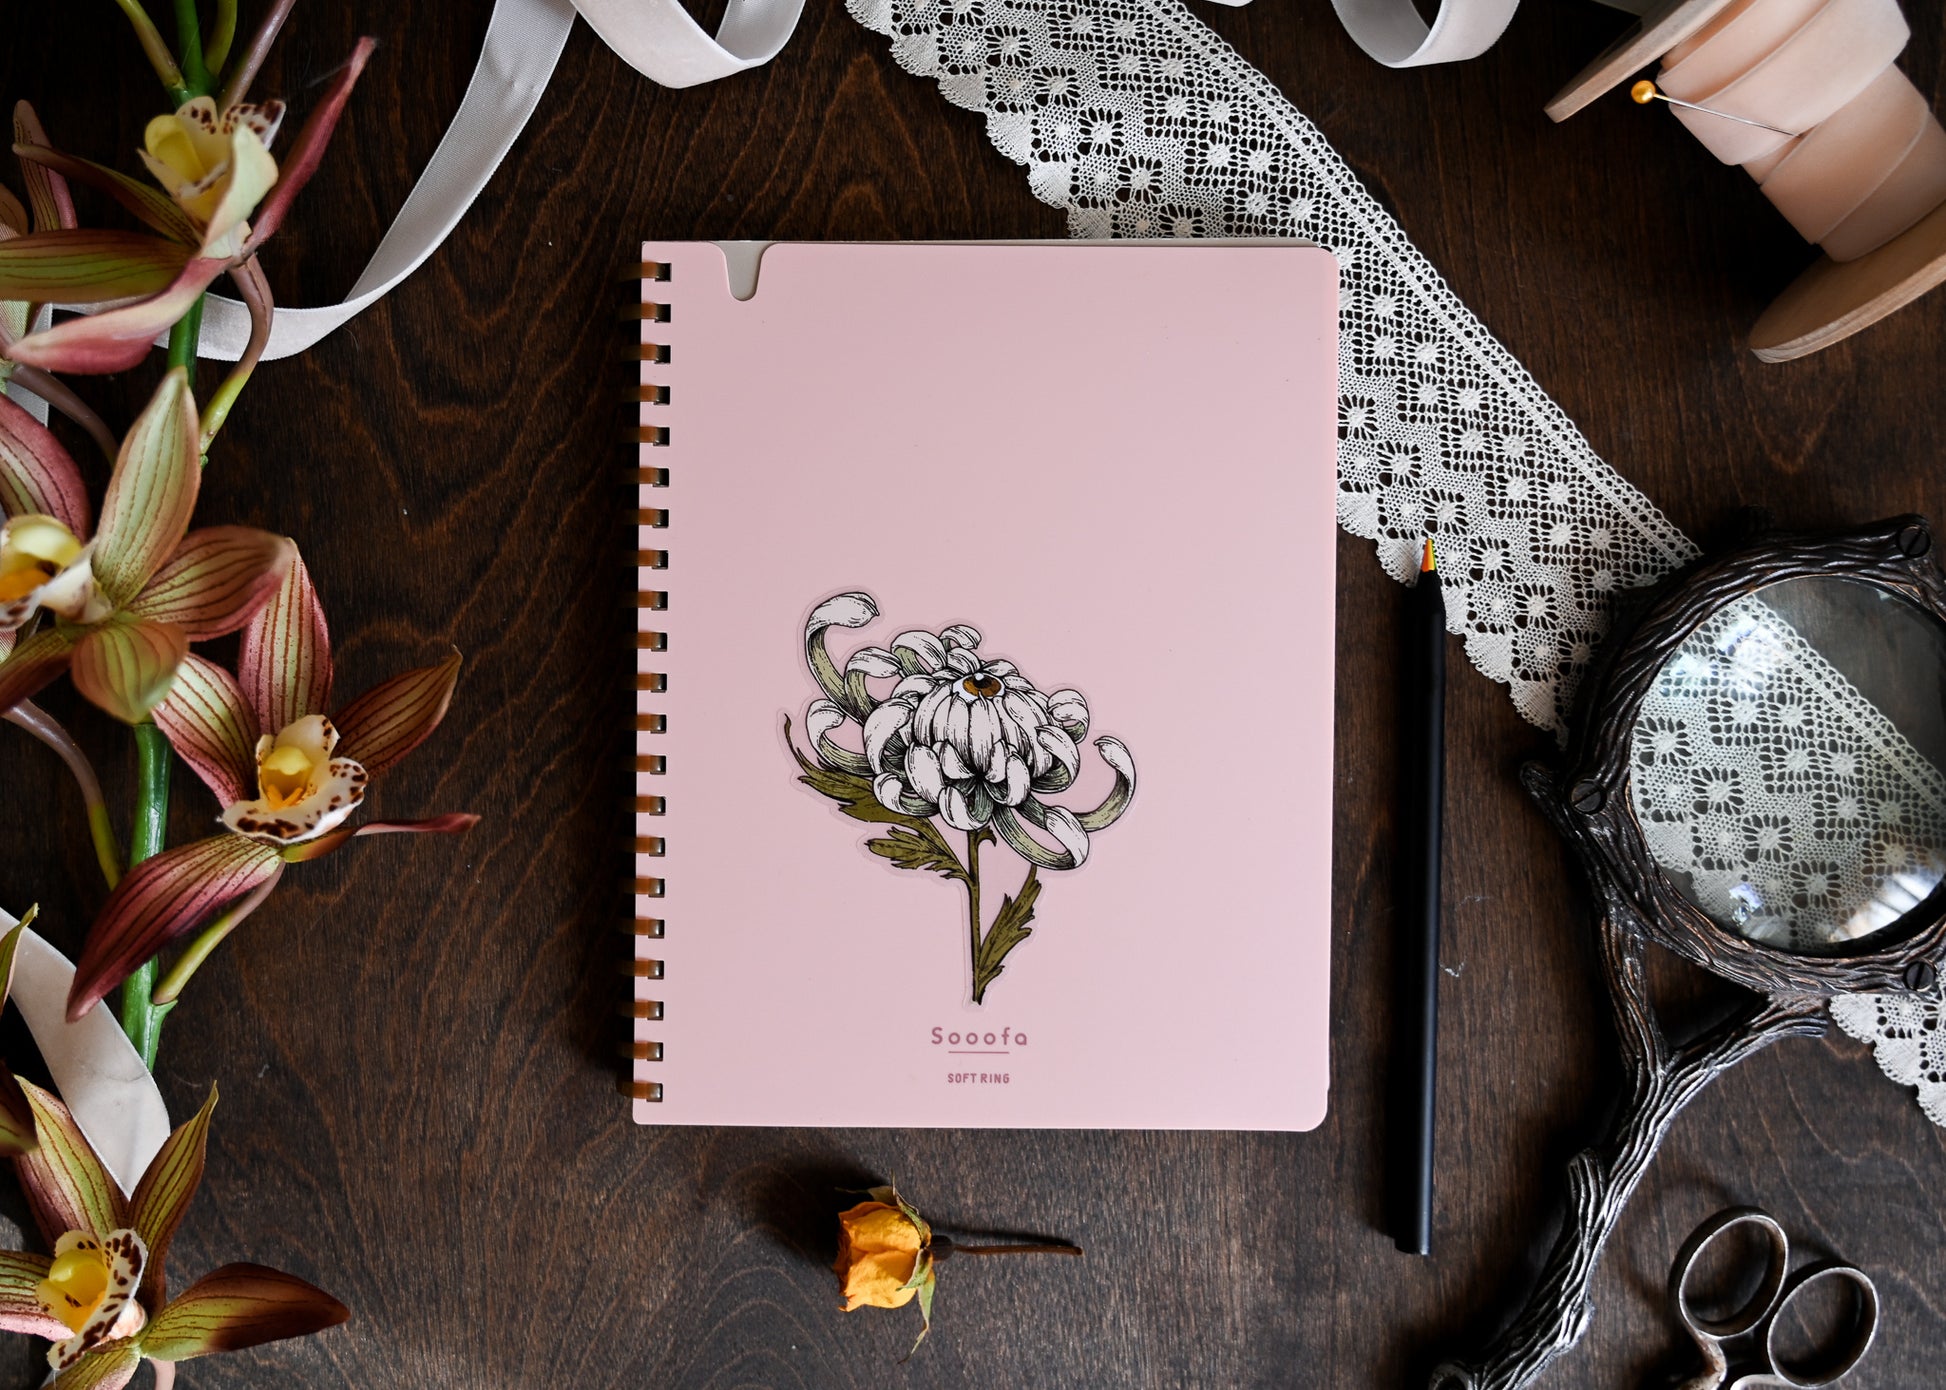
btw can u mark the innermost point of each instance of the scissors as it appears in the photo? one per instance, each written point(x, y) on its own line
point(1756, 1322)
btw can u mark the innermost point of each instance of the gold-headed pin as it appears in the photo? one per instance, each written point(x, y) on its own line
point(1645, 91)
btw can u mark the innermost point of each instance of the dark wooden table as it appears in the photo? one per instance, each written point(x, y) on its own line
point(415, 1038)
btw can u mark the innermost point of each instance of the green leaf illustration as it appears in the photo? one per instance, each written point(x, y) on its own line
point(1008, 931)
point(922, 847)
point(852, 792)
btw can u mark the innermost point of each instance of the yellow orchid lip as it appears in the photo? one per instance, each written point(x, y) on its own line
point(76, 1282)
point(34, 550)
point(302, 790)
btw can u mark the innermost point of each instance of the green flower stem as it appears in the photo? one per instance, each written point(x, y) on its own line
point(189, 45)
point(157, 52)
point(218, 52)
point(973, 899)
point(141, 1016)
point(185, 338)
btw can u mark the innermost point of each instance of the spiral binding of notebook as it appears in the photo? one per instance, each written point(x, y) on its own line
point(643, 1051)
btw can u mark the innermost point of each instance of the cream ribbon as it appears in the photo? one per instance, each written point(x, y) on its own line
point(523, 43)
point(94, 1066)
point(1392, 32)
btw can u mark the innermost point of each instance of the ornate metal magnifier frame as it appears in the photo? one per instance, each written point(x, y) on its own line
point(1588, 801)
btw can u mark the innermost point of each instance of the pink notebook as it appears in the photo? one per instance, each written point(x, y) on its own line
point(985, 696)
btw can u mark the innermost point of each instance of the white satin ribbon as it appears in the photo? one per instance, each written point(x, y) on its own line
point(1392, 32)
point(94, 1066)
point(523, 43)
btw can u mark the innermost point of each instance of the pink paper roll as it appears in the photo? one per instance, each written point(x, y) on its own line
point(1871, 157)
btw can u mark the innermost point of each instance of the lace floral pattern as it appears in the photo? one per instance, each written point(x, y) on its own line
point(1140, 122)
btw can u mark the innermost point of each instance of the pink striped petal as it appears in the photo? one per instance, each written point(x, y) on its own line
point(450, 824)
point(393, 718)
point(34, 665)
point(117, 339)
point(285, 662)
point(163, 1193)
point(67, 1187)
point(20, 1307)
point(91, 265)
point(152, 493)
point(218, 577)
point(46, 190)
point(307, 151)
point(128, 667)
point(37, 476)
point(239, 1306)
point(142, 201)
point(211, 727)
point(162, 899)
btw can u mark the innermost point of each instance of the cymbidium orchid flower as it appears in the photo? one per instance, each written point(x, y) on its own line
point(963, 737)
point(287, 776)
point(126, 601)
point(221, 196)
point(102, 1296)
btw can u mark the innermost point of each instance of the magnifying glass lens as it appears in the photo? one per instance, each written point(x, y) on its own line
point(1787, 764)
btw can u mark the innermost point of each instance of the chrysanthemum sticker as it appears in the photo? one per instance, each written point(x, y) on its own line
point(959, 751)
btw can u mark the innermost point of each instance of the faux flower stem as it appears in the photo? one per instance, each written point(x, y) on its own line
point(141, 1016)
point(35, 721)
point(191, 960)
point(157, 52)
point(189, 44)
point(942, 1247)
point(218, 52)
point(184, 339)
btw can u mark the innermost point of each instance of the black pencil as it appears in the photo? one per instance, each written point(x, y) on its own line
point(1423, 784)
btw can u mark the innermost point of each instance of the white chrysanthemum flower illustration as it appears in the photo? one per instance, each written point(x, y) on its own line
point(963, 739)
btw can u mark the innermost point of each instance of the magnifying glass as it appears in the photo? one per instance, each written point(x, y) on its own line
point(1755, 784)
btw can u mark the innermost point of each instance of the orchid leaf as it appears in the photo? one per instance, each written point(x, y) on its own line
point(109, 1366)
point(216, 580)
point(21, 1272)
point(307, 151)
point(393, 718)
point(239, 1306)
point(212, 728)
point(47, 191)
point(117, 339)
point(152, 493)
point(88, 266)
point(67, 1187)
point(144, 202)
point(451, 824)
point(284, 665)
point(37, 475)
point(128, 667)
point(162, 899)
point(162, 1196)
point(33, 665)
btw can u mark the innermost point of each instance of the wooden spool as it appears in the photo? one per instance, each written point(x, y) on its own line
point(1832, 299)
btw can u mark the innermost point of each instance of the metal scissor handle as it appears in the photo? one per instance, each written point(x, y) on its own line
point(1759, 1315)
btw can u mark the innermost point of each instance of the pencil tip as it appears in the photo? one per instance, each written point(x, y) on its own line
point(1427, 562)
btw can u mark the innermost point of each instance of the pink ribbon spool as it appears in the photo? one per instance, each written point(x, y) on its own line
point(1871, 159)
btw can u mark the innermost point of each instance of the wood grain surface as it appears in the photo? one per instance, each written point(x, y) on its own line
point(414, 1039)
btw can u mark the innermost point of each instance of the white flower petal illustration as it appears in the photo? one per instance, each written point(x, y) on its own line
point(919, 651)
point(881, 727)
point(841, 610)
point(1056, 744)
point(1116, 755)
point(819, 721)
point(873, 661)
point(960, 635)
point(951, 763)
point(955, 811)
point(1070, 711)
point(889, 790)
point(922, 770)
point(1017, 783)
